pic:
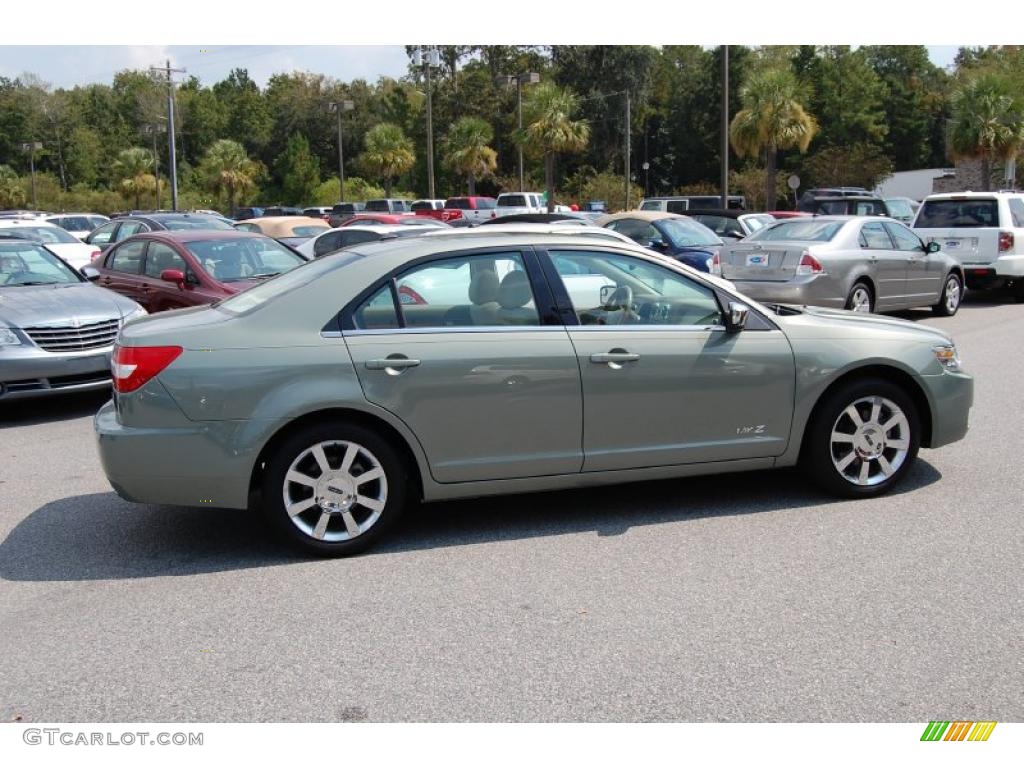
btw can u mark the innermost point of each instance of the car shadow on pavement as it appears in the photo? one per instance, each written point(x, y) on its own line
point(100, 536)
point(57, 407)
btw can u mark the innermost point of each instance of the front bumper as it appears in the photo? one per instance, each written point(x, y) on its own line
point(196, 464)
point(27, 371)
point(951, 396)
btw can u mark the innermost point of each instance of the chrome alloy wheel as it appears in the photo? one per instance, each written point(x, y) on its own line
point(860, 299)
point(870, 441)
point(335, 490)
point(952, 293)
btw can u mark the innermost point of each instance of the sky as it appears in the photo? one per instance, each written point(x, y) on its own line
point(64, 66)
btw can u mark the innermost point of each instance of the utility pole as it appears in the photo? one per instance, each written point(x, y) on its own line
point(345, 105)
point(725, 126)
point(628, 120)
point(31, 147)
point(154, 129)
point(172, 160)
point(428, 57)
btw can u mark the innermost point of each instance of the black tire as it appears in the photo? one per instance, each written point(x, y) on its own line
point(395, 485)
point(1018, 290)
point(853, 297)
point(820, 455)
point(952, 294)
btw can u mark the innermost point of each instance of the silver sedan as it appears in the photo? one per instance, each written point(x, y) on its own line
point(863, 263)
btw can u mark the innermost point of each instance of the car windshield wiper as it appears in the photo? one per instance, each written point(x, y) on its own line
point(38, 282)
point(265, 274)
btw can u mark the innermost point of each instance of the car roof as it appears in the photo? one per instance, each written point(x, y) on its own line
point(378, 228)
point(969, 194)
point(27, 222)
point(644, 215)
point(729, 213)
point(191, 235)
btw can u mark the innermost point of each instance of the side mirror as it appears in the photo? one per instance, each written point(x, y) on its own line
point(90, 273)
point(658, 245)
point(933, 247)
point(173, 276)
point(736, 319)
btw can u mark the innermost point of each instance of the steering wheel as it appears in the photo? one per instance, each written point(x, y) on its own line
point(620, 298)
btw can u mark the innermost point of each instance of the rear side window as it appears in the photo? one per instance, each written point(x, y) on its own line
point(128, 258)
point(967, 212)
point(874, 237)
point(460, 203)
point(380, 206)
point(677, 206)
point(1017, 211)
point(485, 203)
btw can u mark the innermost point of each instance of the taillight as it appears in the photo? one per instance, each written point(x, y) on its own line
point(1005, 241)
point(716, 264)
point(134, 366)
point(95, 254)
point(809, 265)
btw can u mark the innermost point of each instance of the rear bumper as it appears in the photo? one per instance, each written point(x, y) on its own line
point(30, 372)
point(198, 464)
point(1009, 266)
point(951, 396)
point(815, 291)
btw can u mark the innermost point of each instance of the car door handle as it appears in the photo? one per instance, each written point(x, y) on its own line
point(615, 356)
point(391, 362)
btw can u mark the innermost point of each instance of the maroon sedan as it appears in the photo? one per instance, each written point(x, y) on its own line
point(169, 270)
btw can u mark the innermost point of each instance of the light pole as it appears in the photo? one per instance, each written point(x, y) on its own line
point(338, 107)
point(523, 78)
point(31, 147)
point(172, 160)
point(427, 57)
point(725, 126)
point(154, 129)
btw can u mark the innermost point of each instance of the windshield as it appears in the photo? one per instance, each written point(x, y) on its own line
point(29, 264)
point(260, 294)
point(243, 258)
point(809, 231)
point(196, 222)
point(686, 233)
point(972, 212)
point(49, 234)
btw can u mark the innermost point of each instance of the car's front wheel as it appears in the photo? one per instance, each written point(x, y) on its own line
point(952, 295)
point(862, 439)
point(334, 489)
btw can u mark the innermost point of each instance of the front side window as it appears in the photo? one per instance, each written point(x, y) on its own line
point(127, 258)
point(102, 235)
point(904, 239)
point(613, 289)
point(130, 228)
point(229, 260)
point(160, 257)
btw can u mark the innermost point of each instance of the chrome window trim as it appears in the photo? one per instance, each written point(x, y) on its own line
point(521, 329)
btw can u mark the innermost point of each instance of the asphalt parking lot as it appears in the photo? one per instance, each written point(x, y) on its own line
point(736, 598)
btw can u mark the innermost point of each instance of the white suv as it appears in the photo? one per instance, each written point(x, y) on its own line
point(984, 231)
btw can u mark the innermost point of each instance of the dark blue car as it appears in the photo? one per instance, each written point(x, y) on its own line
point(674, 235)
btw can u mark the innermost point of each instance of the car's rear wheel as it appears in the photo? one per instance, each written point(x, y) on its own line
point(334, 489)
point(862, 439)
point(861, 298)
point(952, 295)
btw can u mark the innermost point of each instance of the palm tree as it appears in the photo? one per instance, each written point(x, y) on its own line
point(551, 130)
point(133, 169)
point(226, 169)
point(468, 153)
point(388, 154)
point(772, 118)
point(987, 123)
point(12, 194)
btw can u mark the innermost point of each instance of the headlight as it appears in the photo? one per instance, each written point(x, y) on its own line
point(8, 338)
point(947, 355)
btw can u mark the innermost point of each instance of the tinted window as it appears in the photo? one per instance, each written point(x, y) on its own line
point(27, 264)
point(380, 206)
point(129, 228)
point(677, 206)
point(160, 257)
point(972, 212)
point(355, 236)
point(686, 233)
point(196, 223)
point(805, 231)
point(127, 258)
point(651, 205)
point(612, 289)
point(308, 230)
point(461, 203)
point(467, 291)
point(423, 205)
point(327, 243)
point(638, 230)
point(508, 201)
point(485, 203)
point(874, 237)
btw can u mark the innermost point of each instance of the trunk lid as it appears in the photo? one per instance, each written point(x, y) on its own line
point(770, 262)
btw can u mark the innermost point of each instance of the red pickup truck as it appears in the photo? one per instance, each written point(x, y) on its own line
point(475, 209)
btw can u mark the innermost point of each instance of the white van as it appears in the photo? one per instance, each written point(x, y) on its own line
point(510, 203)
point(984, 231)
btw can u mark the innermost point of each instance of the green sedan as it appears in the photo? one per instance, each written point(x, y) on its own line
point(470, 364)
